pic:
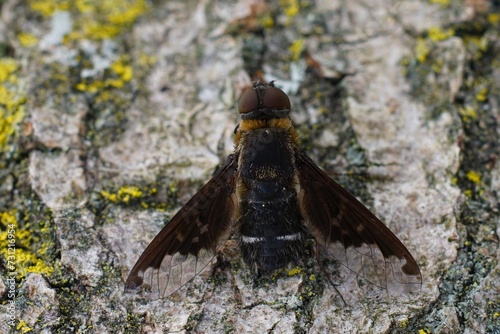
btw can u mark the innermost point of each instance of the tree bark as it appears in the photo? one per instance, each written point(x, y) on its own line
point(114, 114)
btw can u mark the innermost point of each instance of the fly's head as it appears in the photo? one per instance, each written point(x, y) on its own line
point(264, 106)
point(264, 102)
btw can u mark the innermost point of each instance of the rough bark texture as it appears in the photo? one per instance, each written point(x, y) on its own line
point(115, 112)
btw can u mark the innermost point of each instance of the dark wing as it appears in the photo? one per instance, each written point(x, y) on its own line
point(346, 229)
point(192, 237)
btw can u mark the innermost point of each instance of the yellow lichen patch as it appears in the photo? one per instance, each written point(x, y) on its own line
point(424, 331)
point(121, 74)
point(108, 18)
point(474, 177)
point(27, 40)
point(494, 18)
point(11, 102)
point(8, 222)
point(94, 19)
point(124, 13)
point(123, 70)
point(482, 94)
point(437, 66)
point(126, 194)
point(47, 8)
point(476, 46)
point(29, 263)
point(267, 21)
point(24, 237)
point(146, 60)
point(84, 6)
point(404, 323)
point(422, 50)
point(23, 327)
point(441, 2)
point(467, 113)
point(7, 67)
point(91, 87)
point(8, 218)
point(437, 34)
point(97, 31)
point(294, 271)
point(296, 49)
point(109, 196)
point(290, 7)
point(15, 242)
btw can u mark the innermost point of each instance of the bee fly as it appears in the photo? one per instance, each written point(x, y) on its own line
point(272, 196)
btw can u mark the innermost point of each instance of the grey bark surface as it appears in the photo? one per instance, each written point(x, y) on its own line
point(398, 100)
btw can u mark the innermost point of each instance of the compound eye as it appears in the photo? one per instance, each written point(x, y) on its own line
point(276, 99)
point(249, 101)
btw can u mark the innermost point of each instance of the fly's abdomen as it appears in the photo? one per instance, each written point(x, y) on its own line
point(270, 221)
point(271, 232)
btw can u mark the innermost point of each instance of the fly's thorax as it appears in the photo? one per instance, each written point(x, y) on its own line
point(246, 127)
point(267, 155)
